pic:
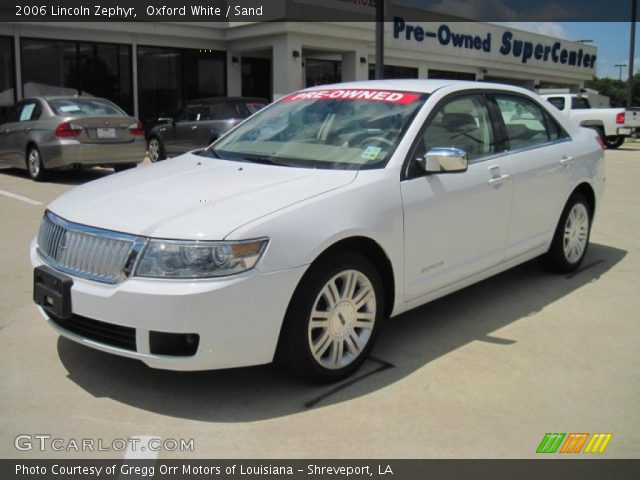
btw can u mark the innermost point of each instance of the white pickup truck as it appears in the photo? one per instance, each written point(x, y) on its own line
point(614, 124)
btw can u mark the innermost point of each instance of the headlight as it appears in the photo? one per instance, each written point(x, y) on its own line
point(182, 259)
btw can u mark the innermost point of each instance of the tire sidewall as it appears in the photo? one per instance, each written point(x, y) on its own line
point(293, 349)
point(160, 149)
point(556, 259)
point(42, 171)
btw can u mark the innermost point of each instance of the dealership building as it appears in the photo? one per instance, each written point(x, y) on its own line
point(151, 68)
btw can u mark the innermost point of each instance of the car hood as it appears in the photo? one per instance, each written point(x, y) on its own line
point(192, 197)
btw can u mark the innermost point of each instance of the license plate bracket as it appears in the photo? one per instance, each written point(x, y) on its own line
point(52, 291)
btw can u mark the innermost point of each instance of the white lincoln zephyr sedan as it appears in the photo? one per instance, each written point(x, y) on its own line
point(296, 234)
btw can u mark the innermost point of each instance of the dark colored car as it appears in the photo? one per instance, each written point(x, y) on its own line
point(199, 123)
point(48, 133)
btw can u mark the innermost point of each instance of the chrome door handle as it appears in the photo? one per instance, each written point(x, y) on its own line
point(566, 160)
point(498, 180)
point(194, 127)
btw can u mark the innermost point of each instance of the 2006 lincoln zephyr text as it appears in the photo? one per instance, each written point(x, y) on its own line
point(294, 235)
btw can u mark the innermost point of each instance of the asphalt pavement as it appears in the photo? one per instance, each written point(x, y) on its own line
point(482, 373)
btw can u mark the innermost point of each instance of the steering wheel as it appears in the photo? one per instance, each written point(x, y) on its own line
point(369, 140)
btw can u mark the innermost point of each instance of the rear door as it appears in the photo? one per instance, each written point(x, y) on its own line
point(29, 112)
point(540, 165)
point(455, 224)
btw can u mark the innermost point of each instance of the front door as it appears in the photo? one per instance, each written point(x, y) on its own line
point(455, 224)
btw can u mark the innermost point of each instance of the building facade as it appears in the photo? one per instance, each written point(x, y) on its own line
point(151, 69)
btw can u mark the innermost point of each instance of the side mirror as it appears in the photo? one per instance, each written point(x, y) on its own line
point(167, 120)
point(444, 160)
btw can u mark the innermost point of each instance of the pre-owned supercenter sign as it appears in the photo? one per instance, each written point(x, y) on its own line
point(510, 44)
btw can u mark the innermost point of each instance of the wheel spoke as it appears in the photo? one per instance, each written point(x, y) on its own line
point(332, 289)
point(365, 317)
point(321, 346)
point(318, 323)
point(363, 296)
point(337, 351)
point(349, 287)
point(353, 343)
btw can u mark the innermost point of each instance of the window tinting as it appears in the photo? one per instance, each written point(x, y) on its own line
point(393, 71)
point(7, 77)
point(170, 77)
point(29, 110)
point(557, 102)
point(59, 67)
point(580, 103)
point(461, 123)
point(84, 107)
point(526, 123)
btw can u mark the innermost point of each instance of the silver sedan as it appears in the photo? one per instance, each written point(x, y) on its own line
point(47, 133)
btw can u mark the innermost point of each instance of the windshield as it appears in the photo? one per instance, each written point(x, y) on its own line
point(340, 129)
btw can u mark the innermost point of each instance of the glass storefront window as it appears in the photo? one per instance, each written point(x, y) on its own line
point(60, 67)
point(449, 75)
point(169, 77)
point(321, 72)
point(393, 71)
point(7, 76)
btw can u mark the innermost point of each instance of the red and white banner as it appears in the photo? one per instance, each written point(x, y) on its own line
point(388, 96)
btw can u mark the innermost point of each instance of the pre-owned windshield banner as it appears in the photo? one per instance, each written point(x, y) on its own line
point(387, 96)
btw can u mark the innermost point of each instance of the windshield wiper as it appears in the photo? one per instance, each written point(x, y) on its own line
point(264, 160)
point(210, 151)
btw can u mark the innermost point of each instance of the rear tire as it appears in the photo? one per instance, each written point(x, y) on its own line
point(35, 165)
point(156, 151)
point(571, 239)
point(614, 142)
point(333, 318)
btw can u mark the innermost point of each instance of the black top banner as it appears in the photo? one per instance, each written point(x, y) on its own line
point(312, 10)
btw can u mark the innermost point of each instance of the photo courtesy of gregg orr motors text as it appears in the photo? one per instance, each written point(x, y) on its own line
point(48, 443)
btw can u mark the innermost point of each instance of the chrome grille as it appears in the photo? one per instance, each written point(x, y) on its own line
point(87, 252)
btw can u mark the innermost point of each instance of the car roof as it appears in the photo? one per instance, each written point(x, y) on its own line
point(64, 97)
point(420, 85)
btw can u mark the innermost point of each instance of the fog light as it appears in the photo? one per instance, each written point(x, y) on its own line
point(174, 344)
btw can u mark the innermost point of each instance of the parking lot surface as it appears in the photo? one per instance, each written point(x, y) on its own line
point(482, 373)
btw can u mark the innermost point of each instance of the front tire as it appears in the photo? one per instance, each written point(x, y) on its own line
point(155, 148)
point(571, 238)
point(35, 165)
point(333, 318)
point(614, 142)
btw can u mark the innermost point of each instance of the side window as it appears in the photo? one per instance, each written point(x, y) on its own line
point(580, 103)
point(526, 123)
point(462, 123)
point(29, 110)
point(188, 113)
point(557, 102)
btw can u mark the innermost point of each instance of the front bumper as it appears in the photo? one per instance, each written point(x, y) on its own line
point(238, 319)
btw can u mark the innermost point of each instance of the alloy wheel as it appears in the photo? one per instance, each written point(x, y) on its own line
point(34, 163)
point(342, 319)
point(154, 150)
point(576, 233)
